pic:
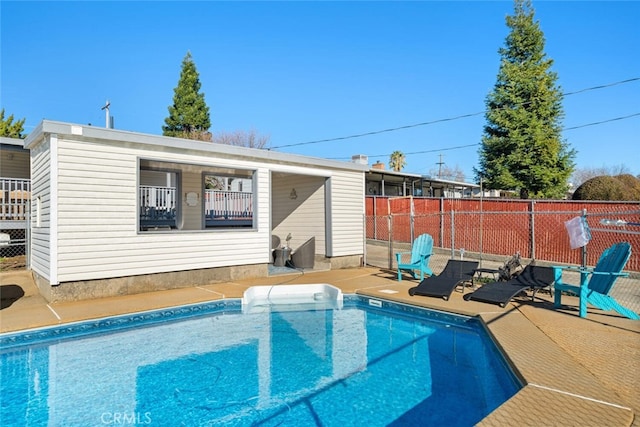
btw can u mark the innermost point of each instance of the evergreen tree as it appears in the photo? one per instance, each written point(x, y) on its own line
point(521, 145)
point(397, 161)
point(189, 114)
point(9, 128)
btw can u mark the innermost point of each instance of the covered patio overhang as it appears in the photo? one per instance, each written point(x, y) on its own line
point(390, 183)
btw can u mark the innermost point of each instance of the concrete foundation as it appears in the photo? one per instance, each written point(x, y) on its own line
point(351, 261)
point(103, 288)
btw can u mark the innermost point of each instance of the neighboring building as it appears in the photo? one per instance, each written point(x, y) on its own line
point(381, 182)
point(15, 190)
point(116, 212)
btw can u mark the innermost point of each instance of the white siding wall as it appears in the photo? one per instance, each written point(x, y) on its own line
point(89, 220)
point(346, 213)
point(98, 223)
point(304, 216)
point(191, 215)
point(40, 257)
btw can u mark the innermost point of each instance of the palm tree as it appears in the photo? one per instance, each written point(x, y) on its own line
point(396, 161)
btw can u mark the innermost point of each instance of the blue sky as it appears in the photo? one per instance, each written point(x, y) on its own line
point(306, 71)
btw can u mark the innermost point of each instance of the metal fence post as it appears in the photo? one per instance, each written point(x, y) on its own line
point(364, 238)
point(453, 235)
point(532, 229)
point(390, 228)
point(375, 217)
point(584, 248)
point(441, 238)
point(411, 222)
point(27, 237)
point(481, 222)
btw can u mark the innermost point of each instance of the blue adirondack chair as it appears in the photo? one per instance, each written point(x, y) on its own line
point(420, 254)
point(596, 283)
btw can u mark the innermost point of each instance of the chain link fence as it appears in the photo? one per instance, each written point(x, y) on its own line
point(14, 235)
point(492, 237)
point(13, 249)
point(15, 197)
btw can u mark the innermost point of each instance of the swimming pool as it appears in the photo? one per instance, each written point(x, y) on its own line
point(372, 362)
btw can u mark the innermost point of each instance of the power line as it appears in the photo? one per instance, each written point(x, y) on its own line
point(602, 86)
point(382, 131)
point(603, 121)
point(418, 152)
point(477, 143)
point(447, 119)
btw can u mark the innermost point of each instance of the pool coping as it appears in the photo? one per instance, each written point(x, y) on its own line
point(560, 393)
point(558, 388)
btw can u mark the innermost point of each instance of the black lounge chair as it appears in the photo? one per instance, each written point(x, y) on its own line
point(443, 284)
point(532, 278)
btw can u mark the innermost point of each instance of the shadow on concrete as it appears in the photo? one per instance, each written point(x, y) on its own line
point(9, 294)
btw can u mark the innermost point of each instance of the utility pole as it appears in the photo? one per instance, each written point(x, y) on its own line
point(440, 163)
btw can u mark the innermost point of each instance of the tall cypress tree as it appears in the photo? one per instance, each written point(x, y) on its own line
point(189, 114)
point(522, 146)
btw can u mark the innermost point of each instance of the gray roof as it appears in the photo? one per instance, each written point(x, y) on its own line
point(86, 132)
point(403, 176)
point(12, 141)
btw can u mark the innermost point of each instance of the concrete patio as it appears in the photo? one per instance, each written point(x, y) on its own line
point(577, 372)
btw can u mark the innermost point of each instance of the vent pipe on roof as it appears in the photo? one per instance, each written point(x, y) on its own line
point(108, 119)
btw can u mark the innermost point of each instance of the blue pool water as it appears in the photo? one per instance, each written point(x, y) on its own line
point(212, 364)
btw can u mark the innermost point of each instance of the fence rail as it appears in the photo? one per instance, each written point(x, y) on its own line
point(228, 204)
point(536, 229)
point(159, 198)
point(157, 206)
point(14, 196)
point(492, 232)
